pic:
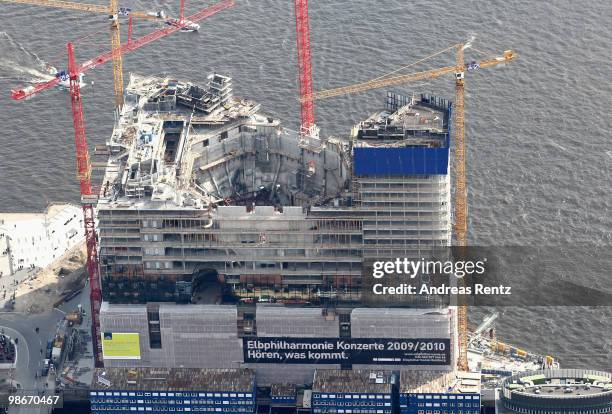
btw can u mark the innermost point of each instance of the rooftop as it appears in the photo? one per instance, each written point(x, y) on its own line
point(415, 120)
point(562, 383)
point(174, 379)
point(419, 382)
point(150, 158)
point(352, 381)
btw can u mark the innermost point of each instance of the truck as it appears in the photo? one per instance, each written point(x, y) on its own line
point(74, 318)
point(49, 349)
point(56, 355)
point(46, 366)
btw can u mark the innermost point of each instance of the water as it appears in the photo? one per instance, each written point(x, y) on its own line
point(539, 155)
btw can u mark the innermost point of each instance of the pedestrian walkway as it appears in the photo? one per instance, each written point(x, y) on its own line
point(30, 240)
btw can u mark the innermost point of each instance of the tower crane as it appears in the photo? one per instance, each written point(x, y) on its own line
point(89, 194)
point(113, 11)
point(302, 28)
point(29, 91)
point(92, 8)
point(460, 206)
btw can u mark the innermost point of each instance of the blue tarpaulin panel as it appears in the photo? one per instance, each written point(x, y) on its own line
point(400, 161)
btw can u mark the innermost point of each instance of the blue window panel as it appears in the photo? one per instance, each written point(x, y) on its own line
point(400, 161)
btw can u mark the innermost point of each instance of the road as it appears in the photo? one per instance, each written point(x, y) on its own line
point(9, 284)
point(31, 347)
point(29, 358)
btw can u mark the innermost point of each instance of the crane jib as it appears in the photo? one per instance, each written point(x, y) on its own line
point(24, 93)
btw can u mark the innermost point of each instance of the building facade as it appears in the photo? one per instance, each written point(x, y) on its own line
point(558, 391)
point(435, 393)
point(194, 187)
point(264, 236)
point(213, 336)
point(358, 391)
point(116, 391)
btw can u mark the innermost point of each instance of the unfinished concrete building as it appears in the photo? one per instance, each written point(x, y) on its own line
point(201, 182)
point(209, 201)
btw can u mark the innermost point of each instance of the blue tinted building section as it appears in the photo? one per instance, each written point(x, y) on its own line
point(400, 161)
point(347, 403)
point(439, 403)
point(118, 402)
point(352, 392)
point(439, 393)
point(161, 390)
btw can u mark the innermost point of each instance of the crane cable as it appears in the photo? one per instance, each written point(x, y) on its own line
point(429, 57)
point(483, 53)
point(81, 40)
point(415, 63)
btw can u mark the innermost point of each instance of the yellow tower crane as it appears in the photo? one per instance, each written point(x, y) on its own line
point(460, 206)
point(113, 11)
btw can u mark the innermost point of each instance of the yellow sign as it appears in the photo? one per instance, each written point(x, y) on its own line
point(120, 345)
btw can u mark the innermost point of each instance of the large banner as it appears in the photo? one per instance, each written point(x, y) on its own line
point(427, 351)
point(120, 345)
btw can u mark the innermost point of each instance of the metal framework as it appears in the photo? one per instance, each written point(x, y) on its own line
point(460, 206)
point(87, 194)
point(302, 26)
point(92, 8)
point(20, 94)
point(115, 34)
point(113, 11)
point(507, 56)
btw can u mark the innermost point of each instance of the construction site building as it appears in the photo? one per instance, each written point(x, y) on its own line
point(211, 336)
point(199, 182)
point(261, 233)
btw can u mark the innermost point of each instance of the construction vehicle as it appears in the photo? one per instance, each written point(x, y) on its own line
point(74, 318)
point(49, 349)
point(45, 368)
point(88, 192)
point(460, 205)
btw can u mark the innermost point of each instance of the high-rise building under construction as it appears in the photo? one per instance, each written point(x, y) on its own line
point(261, 234)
